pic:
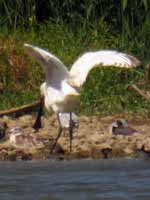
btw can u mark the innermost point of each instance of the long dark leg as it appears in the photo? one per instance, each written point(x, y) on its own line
point(58, 136)
point(37, 123)
point(70, 131)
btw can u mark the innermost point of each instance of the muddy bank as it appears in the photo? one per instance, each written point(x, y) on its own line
point(91, 140)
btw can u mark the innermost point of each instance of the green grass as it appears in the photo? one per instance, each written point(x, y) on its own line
point(105, 90)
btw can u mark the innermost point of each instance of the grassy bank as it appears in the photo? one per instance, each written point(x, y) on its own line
point(105, 90)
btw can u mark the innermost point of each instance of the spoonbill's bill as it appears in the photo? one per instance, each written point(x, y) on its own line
point(61, 89)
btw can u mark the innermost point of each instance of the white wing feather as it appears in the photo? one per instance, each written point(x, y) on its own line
point(88, 61)
point(55, 70)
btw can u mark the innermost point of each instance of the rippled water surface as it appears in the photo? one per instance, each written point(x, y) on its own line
point(74, 180)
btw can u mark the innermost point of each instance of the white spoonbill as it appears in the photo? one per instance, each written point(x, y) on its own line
point(61, 88)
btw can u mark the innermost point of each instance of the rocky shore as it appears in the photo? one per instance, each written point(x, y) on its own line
point(91, 140)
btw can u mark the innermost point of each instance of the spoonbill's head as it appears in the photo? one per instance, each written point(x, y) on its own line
point(72, 101)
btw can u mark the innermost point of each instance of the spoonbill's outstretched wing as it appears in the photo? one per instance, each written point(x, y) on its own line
point(90, 60)
point(54, 69)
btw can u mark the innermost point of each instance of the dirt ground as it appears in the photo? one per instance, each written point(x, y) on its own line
point(91, 140)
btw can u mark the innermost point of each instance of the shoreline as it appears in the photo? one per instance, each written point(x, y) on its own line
point(91, 140)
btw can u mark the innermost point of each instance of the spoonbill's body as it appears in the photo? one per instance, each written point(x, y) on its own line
point(61, 87)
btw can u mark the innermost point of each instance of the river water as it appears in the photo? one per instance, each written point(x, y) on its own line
point(120, 179)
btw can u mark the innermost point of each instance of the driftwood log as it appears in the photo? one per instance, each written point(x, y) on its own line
point(18, 111)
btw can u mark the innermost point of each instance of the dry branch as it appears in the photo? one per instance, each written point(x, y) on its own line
point(25, 109)
point(139, 91)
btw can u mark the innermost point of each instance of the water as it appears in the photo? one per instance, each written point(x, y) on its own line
point(75, 180)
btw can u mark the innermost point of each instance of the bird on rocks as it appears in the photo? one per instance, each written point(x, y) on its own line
point(18, 137)
point(121, 127)
point(61, 89)
point(14, 133)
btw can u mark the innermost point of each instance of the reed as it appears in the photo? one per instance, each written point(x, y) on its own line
point(72, 28)
point(123, 14)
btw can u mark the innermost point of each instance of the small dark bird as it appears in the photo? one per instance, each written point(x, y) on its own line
point(3, 127)
point(121, 127)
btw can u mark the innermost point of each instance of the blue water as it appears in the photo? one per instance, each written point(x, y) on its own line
point(121, 179)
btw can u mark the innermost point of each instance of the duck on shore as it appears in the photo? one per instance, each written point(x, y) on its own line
point(18, 137)
point(121, 127)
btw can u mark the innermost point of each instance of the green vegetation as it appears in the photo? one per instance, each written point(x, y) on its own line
point(71, 28)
